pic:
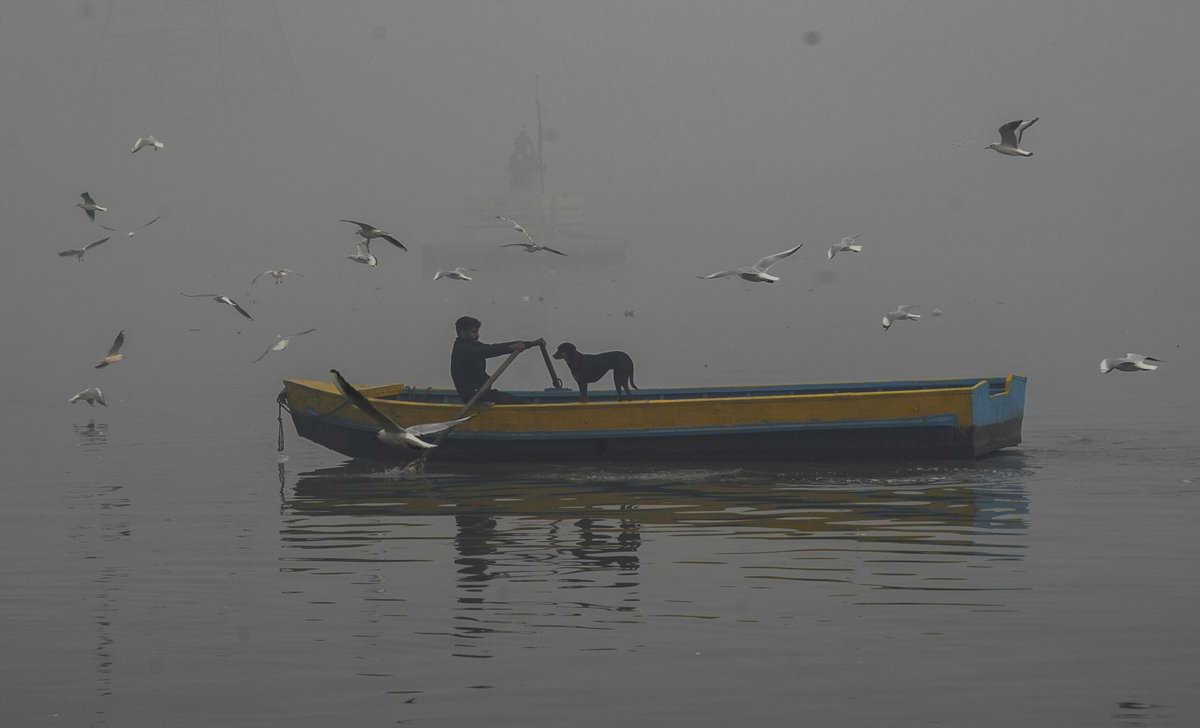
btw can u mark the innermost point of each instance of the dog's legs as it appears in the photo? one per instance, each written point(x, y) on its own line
point(582, 392)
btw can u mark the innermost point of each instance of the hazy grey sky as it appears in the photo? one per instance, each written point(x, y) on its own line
point(704, 133)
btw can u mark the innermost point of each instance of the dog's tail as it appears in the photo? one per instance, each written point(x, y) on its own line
point(631, 382)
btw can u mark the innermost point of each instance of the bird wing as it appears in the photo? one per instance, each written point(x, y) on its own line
point(238, 308)
point(263, 355)
point(434, 427)
point(148, 224)
point(89, 246)
point(110, 229)
point(87, 198)
point(72, 251)
point(117, 343)
point(438, 276)
point(260, 275)
point(357, 399)
point(362, 225)
point(552, 250)
point(722, 274)
point(516, 245)
point(200, 295)
point(905, 308)
point(395, 242)
point(301, 333)
point(765, 263)
point(141, 142)
point(1023, 126)
point(1008, 133)
point(833, 249)
point(90, 213)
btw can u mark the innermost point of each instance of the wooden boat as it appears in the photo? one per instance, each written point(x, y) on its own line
point(938, 418)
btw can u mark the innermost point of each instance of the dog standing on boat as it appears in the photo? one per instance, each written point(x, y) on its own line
point(588, 368)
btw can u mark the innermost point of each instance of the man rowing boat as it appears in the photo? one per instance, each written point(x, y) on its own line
point(468, 360)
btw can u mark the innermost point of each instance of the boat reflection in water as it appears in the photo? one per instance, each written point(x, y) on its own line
point(593, 548)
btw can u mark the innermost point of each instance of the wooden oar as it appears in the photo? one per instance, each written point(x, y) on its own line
point(418, 463)
point(554, 380)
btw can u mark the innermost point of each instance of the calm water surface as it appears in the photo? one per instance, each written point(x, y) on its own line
point(152, 578)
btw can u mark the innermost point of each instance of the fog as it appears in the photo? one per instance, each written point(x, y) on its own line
point(692, 135)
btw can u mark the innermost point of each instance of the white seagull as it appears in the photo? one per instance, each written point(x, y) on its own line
point(902, 313)
point(848, 244)
point(532, 247)
point(277, 273)
point(220, 298)
point(458, 274)
point(517, 226)
point(139, 227)
point(90, 206)
point(146, 141)
point(1010, 138)
point(114, 354)
point(362, 254)
point(369, 232)
point(282, 343)
point(757, 273)
point(1129, 363)
point(391, 433)
point(91, 395)
point(78, 252)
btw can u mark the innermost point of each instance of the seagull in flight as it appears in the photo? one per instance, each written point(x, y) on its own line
point(139, 227)
point(282, 343)
point(1010, 138)
point(1129, 363)
point(90, 206)
point(517, 226)
point(757, 273)
point(391, 433)
point(277, 273)
point(362, 254)
point(91, 395)
point(532, 247)
point(369, 232)
point(902, 313)
point(219, 298)
point(848, 244)
point(458, 274)
point(78, 252)
point(146, 141)
point(114, 354)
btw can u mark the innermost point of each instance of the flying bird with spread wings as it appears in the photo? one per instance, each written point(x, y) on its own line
point(146, 141)
point(220, 298)
point(139, 227)
point(90, 206)
point(281, 343)
point(369, 232)
point(77, 253)
point(757, 273)
point(1010, 138)
point(391, 433)
point(114, 354)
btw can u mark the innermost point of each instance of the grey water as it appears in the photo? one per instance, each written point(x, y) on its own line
point(149, 580)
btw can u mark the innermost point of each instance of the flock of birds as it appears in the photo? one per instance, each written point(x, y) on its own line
point(1011, 135)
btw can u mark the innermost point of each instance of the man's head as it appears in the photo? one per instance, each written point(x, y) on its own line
point(467, 327)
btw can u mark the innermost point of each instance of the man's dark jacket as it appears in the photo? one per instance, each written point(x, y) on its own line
point(467, 364)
